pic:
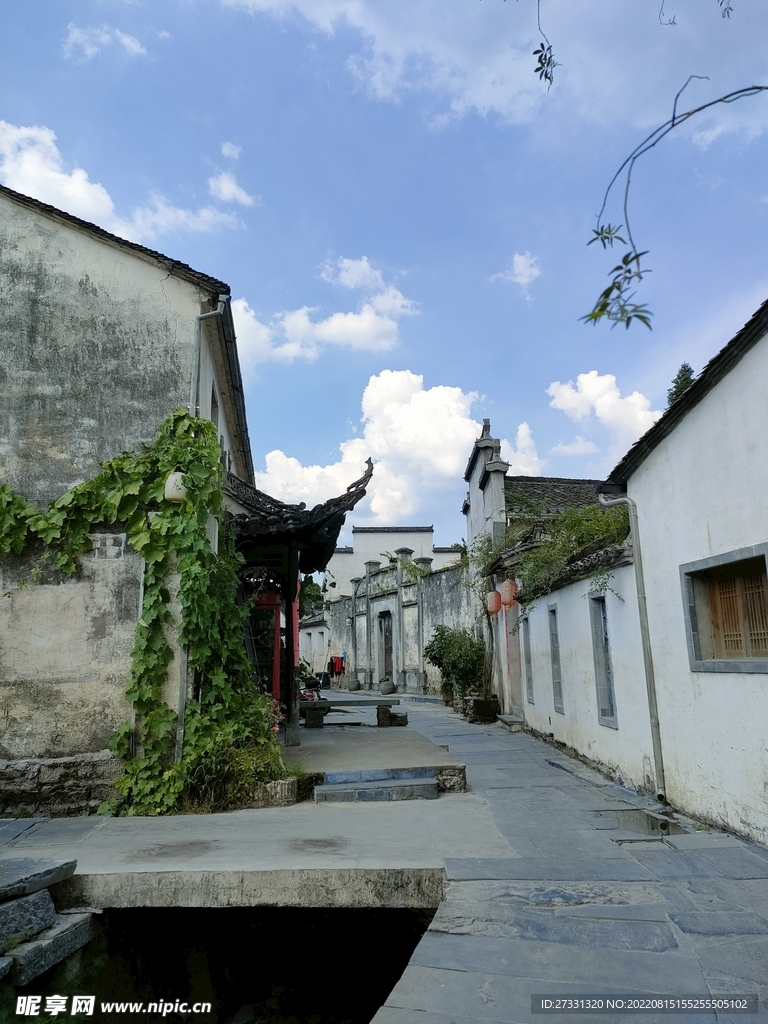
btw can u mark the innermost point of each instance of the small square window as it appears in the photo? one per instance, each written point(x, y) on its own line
point(727, 612)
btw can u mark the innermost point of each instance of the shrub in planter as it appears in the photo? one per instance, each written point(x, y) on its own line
point(459, 655)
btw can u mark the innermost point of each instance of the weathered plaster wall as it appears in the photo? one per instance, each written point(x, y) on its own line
point(97, 347)
point(625, 751)
point(65, 651)
point(375, 546)
point(704, 491)
point(445, 599)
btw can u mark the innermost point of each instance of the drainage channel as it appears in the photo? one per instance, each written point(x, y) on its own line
point(253, 965)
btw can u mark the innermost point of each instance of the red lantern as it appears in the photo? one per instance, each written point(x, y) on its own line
point(508, 591)
point(493, 602)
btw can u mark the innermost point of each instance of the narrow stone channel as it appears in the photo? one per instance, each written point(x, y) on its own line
point(259, 965)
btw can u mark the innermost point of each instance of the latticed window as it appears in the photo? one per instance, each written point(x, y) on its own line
point(730, 613)
point(739, 616)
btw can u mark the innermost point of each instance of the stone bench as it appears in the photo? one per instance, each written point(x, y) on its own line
point(316, 710)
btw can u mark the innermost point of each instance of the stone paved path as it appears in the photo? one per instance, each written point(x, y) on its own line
point(583, 905)
point(550, 887)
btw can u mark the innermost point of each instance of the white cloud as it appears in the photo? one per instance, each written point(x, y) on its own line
point(598, 395)
point(478, 57)
point(418, 438)
point(30, 163)
point(524, 271)
point(224, 188)
point(160, 217)
point(578, 446)
point(353, 274)
point(230, 150)
point(82, 44)
point(522, 458)
point(373, 327)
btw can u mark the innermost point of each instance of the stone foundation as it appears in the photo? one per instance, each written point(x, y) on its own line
point(57, 786)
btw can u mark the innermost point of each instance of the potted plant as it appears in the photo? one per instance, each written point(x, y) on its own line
point(460, 656)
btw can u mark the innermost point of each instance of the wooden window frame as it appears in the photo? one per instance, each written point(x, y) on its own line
point(601, 651)
point(527, 659)
point(717, 614)
point(556, 663)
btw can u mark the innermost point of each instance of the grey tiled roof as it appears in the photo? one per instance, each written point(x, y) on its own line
point(392, 529)
point(559, 493)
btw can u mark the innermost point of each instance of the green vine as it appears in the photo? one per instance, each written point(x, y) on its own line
point(226, 711)
point(538, 563)
point(568, 533)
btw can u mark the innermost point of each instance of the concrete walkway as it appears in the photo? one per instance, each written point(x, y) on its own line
point(550, 886)
point(580, 904)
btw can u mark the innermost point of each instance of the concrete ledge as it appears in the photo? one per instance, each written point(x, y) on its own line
point(321, 887)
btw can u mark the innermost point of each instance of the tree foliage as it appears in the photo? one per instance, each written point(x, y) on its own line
point(680, 383)
point(310, 596)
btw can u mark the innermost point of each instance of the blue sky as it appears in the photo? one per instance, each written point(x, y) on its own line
point(401, 209)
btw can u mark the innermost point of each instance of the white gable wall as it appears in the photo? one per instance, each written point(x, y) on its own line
point(626, 750)
point(702, 492)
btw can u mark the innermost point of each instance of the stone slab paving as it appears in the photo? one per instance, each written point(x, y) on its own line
point(586, 905)
point(545, 890)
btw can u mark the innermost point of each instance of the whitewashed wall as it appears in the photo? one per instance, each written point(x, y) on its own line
point(625, 751)
point(704, 491)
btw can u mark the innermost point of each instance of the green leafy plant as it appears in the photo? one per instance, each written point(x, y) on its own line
point(616, 302)
point(226, 712)
point(567, 533)
point(460, 656)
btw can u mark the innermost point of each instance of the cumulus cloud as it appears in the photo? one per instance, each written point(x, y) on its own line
point(522, 457)
point(524, 271)
point(353, 274)
point(224, 188)
point(598, 395)
point(481, 62)
point(373, 327)
point(418, 439)
point(230, 150)
point(477, 58)
point(83, 44)
point(578, 446)
point(30, 162)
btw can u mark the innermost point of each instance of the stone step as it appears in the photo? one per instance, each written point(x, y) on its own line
point(377, 775)
point(360, 792)
point(512, 723)
point(25, 875)
point(68, 934)
point(24, 917)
